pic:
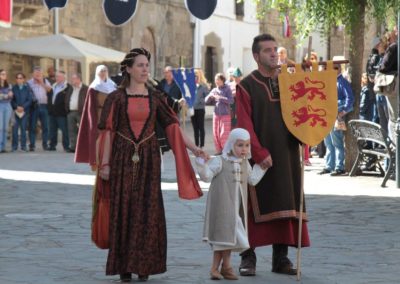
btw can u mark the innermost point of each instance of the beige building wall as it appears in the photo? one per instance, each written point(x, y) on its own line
point(163, 27)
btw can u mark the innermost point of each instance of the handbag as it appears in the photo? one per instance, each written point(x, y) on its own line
point(384, 84)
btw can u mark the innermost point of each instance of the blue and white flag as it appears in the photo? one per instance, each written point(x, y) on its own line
point(201, 9)
point(50, 4)
point(118, 12)
point(184, 78)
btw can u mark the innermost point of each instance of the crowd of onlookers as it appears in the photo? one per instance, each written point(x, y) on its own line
point(58, 105)
point(52, 102)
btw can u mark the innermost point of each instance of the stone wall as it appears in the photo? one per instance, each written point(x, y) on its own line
point(163, 27)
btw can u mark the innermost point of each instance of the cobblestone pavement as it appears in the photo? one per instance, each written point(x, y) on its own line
point(45, 211)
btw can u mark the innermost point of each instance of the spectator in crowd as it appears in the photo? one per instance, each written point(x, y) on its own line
point(5, 108)
point(229, 75)
point(199, 108)
point(99, 89)
point(388, 66)
point(283, 59)
point(381, 112)
point(41, 88)
point(74, 104)
point(237, 77)
point(221, 97)
point(21, 103)
point(58, 111)
point(51, 75)
point(169, 86)
point(367, 100)
point(334, 142)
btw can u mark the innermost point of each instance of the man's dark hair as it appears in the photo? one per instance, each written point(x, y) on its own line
point(263, 37)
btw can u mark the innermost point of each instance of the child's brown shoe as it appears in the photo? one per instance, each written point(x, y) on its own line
point(215, 275)
point(228, 273)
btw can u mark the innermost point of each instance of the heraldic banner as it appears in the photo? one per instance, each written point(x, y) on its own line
point(309, 102)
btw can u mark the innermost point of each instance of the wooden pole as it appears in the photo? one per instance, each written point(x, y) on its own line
point(303, 148)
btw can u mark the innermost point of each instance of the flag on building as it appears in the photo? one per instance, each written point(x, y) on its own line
point(286, 27)
point(50, 4)
point(5, 13)
point(118, 12)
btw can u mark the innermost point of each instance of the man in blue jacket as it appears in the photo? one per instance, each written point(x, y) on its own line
point(21, 103)
point(335, 156)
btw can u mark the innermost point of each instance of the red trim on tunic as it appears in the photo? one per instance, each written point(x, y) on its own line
point(138, 112)
point(280, 231)
point(244, 114)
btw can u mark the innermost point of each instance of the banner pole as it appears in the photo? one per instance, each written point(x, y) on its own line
point(303, 148)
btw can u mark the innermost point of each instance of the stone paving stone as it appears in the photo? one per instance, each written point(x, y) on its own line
point(45, 229)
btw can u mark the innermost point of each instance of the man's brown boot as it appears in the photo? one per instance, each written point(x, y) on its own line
point(280, 262)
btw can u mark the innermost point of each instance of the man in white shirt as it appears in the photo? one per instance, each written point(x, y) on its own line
point(58, 111)
point(74, 104)
point(41, 89)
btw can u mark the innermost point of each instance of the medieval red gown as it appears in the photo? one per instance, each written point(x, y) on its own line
point(137, 233)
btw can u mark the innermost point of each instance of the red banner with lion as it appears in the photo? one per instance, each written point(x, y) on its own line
point(309, 102)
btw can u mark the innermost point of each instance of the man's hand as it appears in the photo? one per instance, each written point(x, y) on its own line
point(267, 163)
point(20, 109)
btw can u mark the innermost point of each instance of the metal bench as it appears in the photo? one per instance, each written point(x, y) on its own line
point(368, 133)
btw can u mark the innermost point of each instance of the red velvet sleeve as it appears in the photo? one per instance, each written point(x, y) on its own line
point(244, 114)
point(85, 151)
point(188, 186)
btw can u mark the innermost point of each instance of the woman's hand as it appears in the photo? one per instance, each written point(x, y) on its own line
point(198, 152)
point(104, 172)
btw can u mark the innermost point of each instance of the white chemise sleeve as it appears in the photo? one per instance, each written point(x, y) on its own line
point(208, 170)
point(255, 174)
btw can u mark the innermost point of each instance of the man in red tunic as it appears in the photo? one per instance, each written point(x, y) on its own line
point(274, 202)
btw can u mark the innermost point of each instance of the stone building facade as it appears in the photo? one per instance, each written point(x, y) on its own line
point(161, 26)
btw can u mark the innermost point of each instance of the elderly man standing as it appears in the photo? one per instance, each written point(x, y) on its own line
point(74, 106)
point(58, 111)
point(40, 88)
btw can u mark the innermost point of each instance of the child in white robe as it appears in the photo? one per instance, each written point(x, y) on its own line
point(225, 224)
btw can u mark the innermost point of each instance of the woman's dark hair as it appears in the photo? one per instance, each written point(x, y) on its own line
point(3, 84)
point(221, 77)
point(128, 62)
point(263, 37)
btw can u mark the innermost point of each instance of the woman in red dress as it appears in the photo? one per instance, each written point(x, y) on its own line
point(99, 89)
point(137, 233)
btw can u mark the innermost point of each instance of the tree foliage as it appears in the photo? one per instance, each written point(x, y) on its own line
point(322, 15)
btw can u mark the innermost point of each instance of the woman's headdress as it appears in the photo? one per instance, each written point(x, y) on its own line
point(130, 56)
point(236, 134)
